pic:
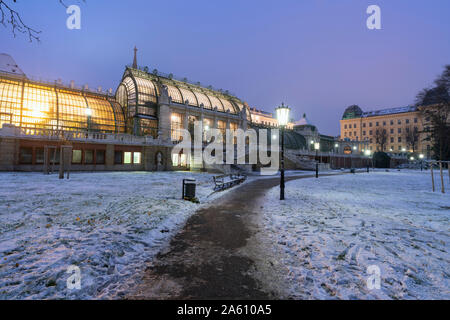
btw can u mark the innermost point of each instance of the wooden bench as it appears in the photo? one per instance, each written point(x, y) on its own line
point(225, 181)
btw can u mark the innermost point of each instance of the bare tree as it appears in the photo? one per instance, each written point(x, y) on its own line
point(411, 136)
point(381, 138)
point(9, 16)
point(435, 107)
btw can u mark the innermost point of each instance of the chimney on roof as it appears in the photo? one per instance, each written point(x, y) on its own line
point(135, 58)
point(86, 87)
point(99, 89)
point(72, 84)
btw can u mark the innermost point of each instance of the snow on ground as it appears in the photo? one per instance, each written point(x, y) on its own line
point(107, 224)
point(329, 230)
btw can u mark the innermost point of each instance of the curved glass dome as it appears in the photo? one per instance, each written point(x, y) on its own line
point(351, 112)
point(29, 104)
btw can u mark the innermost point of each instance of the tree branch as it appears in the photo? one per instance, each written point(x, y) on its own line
point(12, 17)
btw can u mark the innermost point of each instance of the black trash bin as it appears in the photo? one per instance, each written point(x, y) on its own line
point(189, 188)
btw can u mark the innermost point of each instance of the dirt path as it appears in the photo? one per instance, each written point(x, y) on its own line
point(205, 260)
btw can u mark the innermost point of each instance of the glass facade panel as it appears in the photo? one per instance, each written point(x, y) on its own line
point(72, 111)
point(131, 91)
point(146, 91)
point(175, 94)
point(189, 96)
point(39, 107)
point(202, 99)
point(101, 118)
point(228, 106)
point(10, 101)
point(216, 103)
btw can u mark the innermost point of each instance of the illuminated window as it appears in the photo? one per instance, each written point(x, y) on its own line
point(76, 156)
point(176, 126)
point(175, 158)
point(127, 157)
point(136, 157)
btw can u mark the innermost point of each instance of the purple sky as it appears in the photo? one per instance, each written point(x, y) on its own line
point(316, 55)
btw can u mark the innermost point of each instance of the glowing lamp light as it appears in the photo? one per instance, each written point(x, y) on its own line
point(412, 158)
point(312, 142)
point(283, 115)
point(403, 149)
point(88, 112)
point(421, 156)
point(274, 137)
point(336, 145)
point(206, 127)
point(367, 152)
point(316, 146)
point(354, 148)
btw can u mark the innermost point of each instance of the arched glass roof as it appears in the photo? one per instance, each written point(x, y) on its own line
point(44, 106)
point(203, 99)
point(179, 91)
point(189, 97)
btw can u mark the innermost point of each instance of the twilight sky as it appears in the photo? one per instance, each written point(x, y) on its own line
point(315, 55)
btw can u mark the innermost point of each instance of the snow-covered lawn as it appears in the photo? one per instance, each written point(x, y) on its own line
point(329, 230)
point(107, 224)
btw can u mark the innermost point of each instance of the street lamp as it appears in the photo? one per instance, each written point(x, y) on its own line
point(421, 161)
point(317, 147)
point(367, 153)
point(283, 119)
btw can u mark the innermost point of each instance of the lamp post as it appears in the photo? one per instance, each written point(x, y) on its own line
point(336, 151)
point(317, 147)
point(283, 119)
point(421, 161)
point(367, 153)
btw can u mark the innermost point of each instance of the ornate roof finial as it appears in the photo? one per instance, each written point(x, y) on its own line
point(135, 58)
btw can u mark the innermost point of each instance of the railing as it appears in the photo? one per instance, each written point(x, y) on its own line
point(48, 134)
